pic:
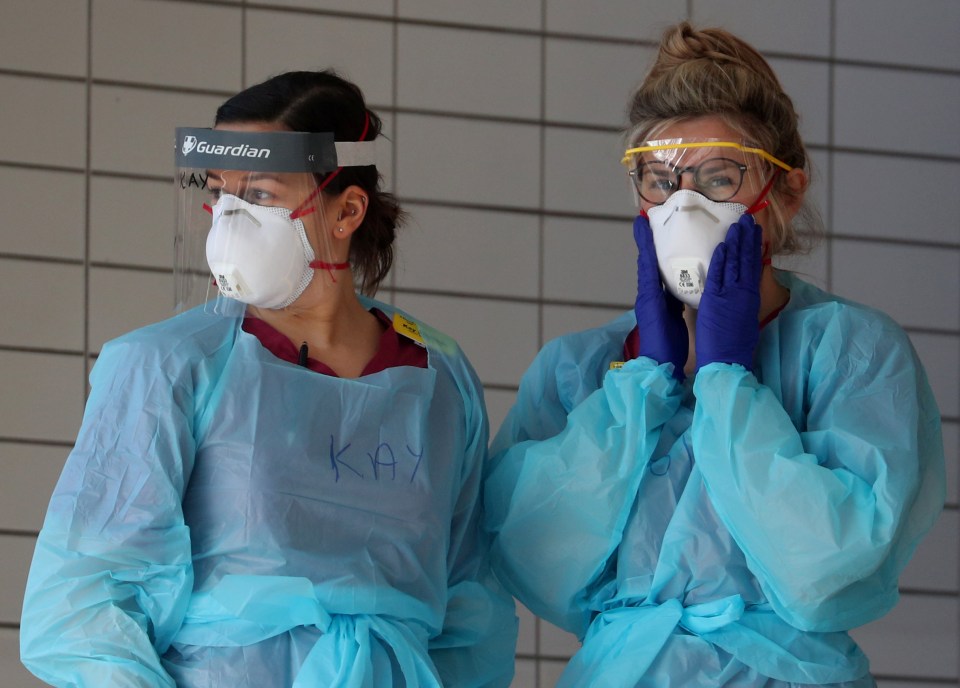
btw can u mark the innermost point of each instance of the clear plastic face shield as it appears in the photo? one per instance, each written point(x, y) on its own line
point(692, 190)
point(252, 228)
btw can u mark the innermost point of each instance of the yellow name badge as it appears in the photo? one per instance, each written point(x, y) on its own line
point(408, 328)
point(616, 365)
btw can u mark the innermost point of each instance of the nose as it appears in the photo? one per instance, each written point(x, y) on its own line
point(685, 179)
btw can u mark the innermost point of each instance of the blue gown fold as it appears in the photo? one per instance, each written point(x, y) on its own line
point(729, 530)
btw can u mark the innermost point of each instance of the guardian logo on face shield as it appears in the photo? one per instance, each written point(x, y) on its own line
point(189, 143)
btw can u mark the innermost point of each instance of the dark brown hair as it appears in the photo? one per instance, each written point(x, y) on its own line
point(324, 101)
point(712, 72)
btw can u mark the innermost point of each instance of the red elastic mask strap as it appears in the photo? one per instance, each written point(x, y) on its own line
point(329, 267)
point(762, 201)
point(300, 211)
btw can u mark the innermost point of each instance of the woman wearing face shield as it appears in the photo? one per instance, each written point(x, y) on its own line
point(714, 488)
point(280, 487)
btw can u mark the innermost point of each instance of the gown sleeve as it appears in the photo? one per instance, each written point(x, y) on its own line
point(477, 644)
point(564, 475)
point(111, 574)
point(827, 504)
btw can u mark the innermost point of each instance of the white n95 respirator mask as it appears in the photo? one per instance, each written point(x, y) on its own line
point(687, 228)
point(257, 254)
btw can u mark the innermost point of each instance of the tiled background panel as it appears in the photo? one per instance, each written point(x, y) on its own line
point(559, 320)
point(13, 672)
point(583, 173)
point(48, 399)
point(372, 7)
point(806, 82)
point(123, 300)
point(504, 71)
point(525, 674)
point(30, 472)
point(14, 565)
point(468, 161)
point(622, 19)
point(880, 196)
point(812, 266)
point(133, 129)
point(282, 41)
point(50, 122)
point(469, 251)
point(132, 221)
point(29, 41)
point(499, 337)
point(550, 671)
point(818, 170)
point(861, 271)
point(177, 52)
point(936, 564)
point(951, 448)
point(939, 354)
point(499, 402)
point(48, 218)
point(917, 639)
point(498, 13)
point(527, 634)
point(877, 31)
point(893, 110)
point(589, 261)
point(573, 91)
point(56, 291)
point(775, 27)
point(555, 642)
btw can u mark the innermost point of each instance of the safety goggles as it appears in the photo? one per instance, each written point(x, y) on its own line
point(657, 168)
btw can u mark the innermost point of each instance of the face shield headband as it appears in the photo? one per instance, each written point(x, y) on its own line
point(244, 201)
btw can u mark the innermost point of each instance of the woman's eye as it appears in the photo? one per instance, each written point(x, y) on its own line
point(659, 183)
point(258, 196)
point(720, 181)
point(215, 193)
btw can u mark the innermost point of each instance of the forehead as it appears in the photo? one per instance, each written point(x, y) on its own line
point(706, 127)
point(699, 129)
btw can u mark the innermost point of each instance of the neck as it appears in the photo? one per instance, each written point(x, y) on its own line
point(327, 315)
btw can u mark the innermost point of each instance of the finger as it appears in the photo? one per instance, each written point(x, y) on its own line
point(751, 250)
point(733, 242)
point(647, 268)
point(716, 272)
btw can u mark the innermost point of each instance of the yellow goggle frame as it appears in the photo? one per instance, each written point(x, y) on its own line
point(704, 144)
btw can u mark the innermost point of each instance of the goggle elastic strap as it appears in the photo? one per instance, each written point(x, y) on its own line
point(762, 200)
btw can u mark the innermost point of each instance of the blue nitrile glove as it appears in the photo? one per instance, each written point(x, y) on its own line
point(662, 330)
point(727, 322)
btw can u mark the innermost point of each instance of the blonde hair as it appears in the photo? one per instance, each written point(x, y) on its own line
point(712, 72)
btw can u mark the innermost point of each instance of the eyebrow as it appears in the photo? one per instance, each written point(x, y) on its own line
point(251, 177)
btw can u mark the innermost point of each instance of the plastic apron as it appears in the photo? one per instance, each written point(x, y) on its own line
point(325, 523)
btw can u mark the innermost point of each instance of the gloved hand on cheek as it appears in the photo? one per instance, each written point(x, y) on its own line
point(662, 330)
point(728, 327)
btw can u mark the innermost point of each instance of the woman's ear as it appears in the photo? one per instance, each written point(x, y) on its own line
point(797, 183)
point(351, 209)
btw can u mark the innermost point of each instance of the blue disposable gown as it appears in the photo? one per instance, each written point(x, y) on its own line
point(229, 519)
point(727, 531)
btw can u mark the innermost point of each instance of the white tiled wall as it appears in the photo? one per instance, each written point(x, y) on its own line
point(503, 119)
